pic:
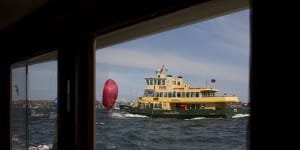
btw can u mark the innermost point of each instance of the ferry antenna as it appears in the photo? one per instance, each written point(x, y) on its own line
point(161, 69)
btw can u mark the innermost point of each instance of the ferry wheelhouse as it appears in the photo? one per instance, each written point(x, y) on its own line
point(166, 96)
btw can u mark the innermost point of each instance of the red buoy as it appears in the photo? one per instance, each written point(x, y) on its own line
point(110, 93)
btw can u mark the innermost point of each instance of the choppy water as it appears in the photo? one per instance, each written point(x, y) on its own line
point(119, 131)
point(133, 132)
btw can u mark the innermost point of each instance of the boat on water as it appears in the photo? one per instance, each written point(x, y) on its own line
point(169, 97)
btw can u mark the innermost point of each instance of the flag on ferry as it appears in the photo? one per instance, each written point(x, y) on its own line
point(213, 80)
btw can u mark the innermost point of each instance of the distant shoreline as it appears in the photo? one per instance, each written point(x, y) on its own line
point(48, 104)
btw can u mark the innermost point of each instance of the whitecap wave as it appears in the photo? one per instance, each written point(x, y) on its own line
point(41, 147)
point(110, 146)
point(240, 115)
point(101, 123)
point(200, 118)
point(117, 115)
point(135, 116)
point(196, 118)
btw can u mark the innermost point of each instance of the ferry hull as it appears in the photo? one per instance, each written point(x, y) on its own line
point(184, 114)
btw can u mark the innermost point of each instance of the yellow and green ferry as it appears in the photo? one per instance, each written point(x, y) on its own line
point(169, 97)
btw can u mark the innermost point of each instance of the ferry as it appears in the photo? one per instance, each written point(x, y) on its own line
point(169, 97)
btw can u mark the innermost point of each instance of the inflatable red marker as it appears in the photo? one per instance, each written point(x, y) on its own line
point(110, 93)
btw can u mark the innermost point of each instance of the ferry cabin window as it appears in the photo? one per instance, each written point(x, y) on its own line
point(151, 82)
point(183, 94)
point(178, 94)
point(169, 94)
point(156, 94)
point(193, 94)
point(165, 94)
point(149, 93)
point(160, 94)
point(187, 94)
point(130, 72)
point(197, 94)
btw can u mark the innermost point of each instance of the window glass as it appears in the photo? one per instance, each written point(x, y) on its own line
point(213, 49)
point(34, 103)
point(42, 99)
point(19, 119)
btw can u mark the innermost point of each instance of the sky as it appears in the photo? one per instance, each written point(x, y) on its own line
point(214, 49)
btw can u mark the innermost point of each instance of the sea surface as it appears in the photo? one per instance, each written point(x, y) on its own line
point(116, 130)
